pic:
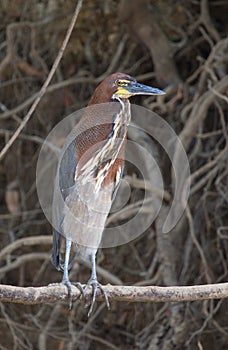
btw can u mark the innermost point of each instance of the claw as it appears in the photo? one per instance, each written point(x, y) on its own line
point(80, 287)
point(69, 284)
point(95, 284)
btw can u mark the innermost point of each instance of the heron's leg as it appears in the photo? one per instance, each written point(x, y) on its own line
point(65, 279)
point(95, 284)
point(66, 262)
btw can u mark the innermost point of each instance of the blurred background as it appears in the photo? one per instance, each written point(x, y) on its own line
point(179, 46)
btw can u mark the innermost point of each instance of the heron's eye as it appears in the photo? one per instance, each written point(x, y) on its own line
point(122, 83)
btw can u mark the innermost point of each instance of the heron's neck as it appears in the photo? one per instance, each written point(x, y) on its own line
point(105, 157)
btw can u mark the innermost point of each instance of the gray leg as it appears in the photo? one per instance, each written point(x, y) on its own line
point(65, 279)
point(93, 262)
point(66, 262)
point(95, 284)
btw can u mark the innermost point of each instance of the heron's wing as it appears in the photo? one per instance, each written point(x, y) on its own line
point(67, 168)
point(63, 183)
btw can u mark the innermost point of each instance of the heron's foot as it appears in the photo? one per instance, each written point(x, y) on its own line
point(69, 285)
point(95, 285)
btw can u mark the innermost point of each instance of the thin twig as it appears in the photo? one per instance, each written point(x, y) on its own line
point(46, 83)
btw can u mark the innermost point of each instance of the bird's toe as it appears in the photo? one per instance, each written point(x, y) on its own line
point(69, 285)
point(95, 285)
point(80, 287)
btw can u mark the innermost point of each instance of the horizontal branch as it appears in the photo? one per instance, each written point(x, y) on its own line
point(50, 294)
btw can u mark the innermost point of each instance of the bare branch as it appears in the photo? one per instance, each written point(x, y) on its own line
point(199, 112)
point(51, 294)
point(46, 83)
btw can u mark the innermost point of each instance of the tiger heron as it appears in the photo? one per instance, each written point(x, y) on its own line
point(89, 174)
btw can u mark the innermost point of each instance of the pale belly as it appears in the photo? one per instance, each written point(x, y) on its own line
point(85, 214)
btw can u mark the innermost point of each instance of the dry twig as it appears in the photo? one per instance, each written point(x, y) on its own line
point(46, 83)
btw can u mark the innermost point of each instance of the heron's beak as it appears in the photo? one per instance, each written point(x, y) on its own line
point(135, 88)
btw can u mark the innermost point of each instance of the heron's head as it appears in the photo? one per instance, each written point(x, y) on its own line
point(121, 86)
